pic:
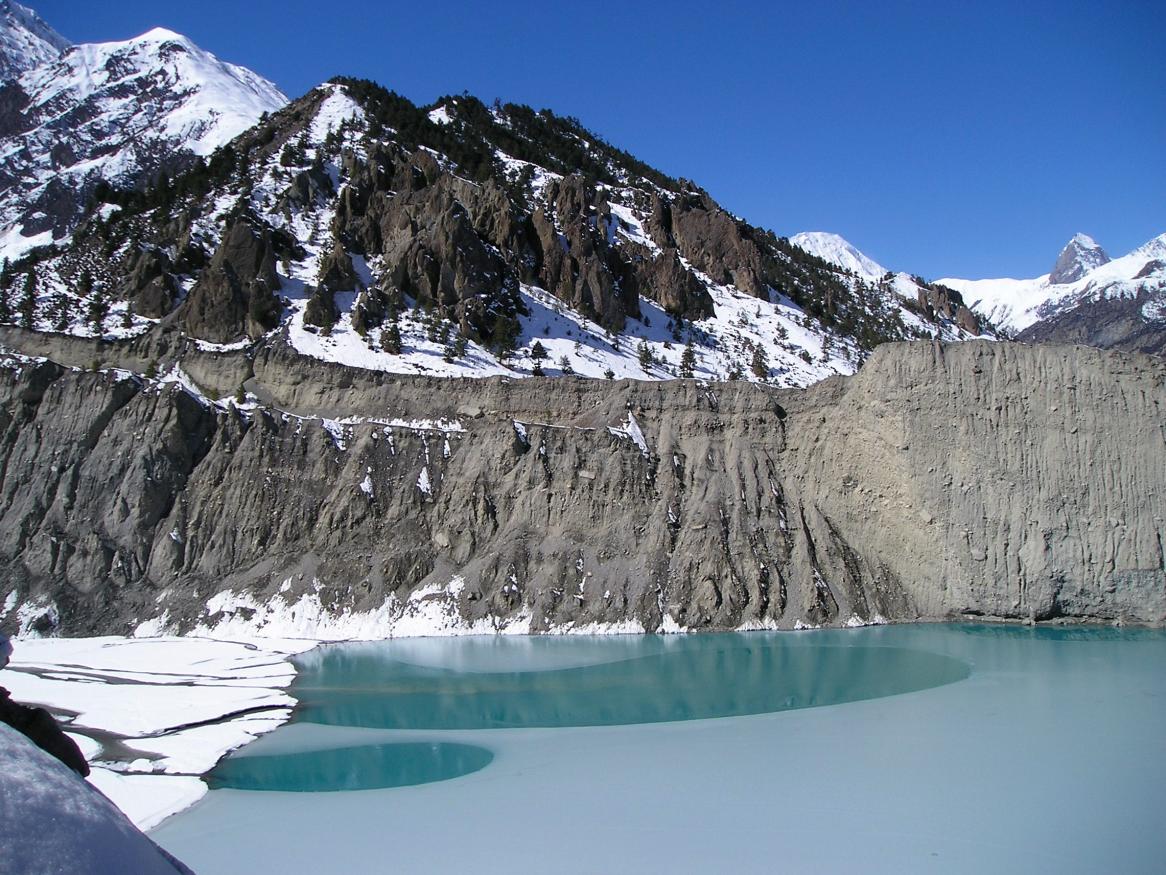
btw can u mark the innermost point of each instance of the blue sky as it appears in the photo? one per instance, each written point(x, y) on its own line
point(959, 139)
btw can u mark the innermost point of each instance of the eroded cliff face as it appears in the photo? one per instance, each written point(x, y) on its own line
point(941, 481)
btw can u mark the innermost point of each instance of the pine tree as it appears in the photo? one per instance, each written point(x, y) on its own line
point(609, 374)
point(506, 330)
point(645, 355)
point(688, 362)
point(98, 310)
point(432, 326)
point(127, 316)
point(538, 354)
point(565, 366)
point(391, 338)
point(61, 313)
point(760, 364)
point(5, 284)
point(28, 301)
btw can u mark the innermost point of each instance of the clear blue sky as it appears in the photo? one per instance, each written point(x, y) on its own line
point(967, 139)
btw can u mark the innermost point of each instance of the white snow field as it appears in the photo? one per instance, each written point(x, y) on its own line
point(152, 714)
point(1048, 758)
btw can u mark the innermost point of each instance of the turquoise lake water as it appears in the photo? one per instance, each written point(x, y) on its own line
point(907, 748)
point(652, 681)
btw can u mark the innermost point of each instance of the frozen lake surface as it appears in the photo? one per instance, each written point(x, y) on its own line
point(901, 748)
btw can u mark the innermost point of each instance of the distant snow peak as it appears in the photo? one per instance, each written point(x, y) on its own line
point(1083, 273)
point(1080, 255)
point(837, 250)
point(1152, 250)
point(25, 40)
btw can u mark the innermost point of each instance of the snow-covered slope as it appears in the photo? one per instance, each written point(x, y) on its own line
point(464, 240)
point(117, 112)
point(25, 40)
point(837, 250)
point(1019, 304)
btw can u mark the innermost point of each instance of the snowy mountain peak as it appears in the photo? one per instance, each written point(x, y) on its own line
point(25, 40)
point(1080, 255)
point(839, 251)
point(208, 101)
point(117, 112)
point(1152, 249)
point(161, 34)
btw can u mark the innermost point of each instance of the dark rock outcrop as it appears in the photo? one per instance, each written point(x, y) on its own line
point(149, 283)
point(321, 308)
point(235, 295)
point(336, 271)
point(667, 281)
point(717, 244)
point(939, 301)
point(1131, 324)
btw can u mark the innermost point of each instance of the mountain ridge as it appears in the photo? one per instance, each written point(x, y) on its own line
point(490, 240)
point(1119, 302)
point(118, 113)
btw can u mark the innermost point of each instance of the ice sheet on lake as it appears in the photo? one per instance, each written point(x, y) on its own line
point(151, 714)
point(1046, 760)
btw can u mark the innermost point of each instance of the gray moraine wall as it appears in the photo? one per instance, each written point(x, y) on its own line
point(940, 482)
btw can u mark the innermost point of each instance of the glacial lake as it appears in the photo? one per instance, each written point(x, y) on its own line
point(902, 748)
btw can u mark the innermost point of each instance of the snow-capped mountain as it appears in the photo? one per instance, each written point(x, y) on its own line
point(119, 112)
point(1086, 298)
point(462, 239)
point(837, 250)
point(927, 297)
point(25, 40)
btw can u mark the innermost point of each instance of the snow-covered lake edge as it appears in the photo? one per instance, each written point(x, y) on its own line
point(154, 714)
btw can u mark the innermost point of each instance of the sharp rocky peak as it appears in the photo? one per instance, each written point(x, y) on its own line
point(1080, 255)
